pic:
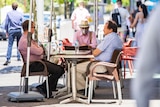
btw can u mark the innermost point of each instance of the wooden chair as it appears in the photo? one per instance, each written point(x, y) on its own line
point(42, 71)
point(110, 75)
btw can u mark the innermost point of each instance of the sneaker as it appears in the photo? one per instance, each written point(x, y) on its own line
point(6, 63)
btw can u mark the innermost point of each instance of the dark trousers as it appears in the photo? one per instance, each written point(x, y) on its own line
point(55, 72)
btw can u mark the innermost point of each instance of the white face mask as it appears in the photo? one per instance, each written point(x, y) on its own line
point(84, 31)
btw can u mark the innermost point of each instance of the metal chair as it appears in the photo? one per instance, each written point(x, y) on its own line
point(42, 71)
point(111, 75)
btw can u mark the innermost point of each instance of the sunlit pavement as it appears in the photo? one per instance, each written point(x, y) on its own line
point(125, 103)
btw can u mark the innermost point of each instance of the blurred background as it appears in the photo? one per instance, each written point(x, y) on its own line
point(62, 10)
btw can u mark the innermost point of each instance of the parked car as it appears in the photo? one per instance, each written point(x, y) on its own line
point(2, 33)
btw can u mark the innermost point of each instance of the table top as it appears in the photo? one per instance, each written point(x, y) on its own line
point(72, 54)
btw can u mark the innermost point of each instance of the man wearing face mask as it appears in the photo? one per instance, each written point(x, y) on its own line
point(84, 36)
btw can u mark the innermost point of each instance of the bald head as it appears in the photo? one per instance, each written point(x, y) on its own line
point(14, 6)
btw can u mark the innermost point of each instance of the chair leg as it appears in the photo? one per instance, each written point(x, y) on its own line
point(92, 89)
point(86, 86)
point(121, 78)
point(130, 67)
point(47, 87)
point(114, 91)
point(119, 92)
point(124, 66)
point(20, 85)
point(89, 91)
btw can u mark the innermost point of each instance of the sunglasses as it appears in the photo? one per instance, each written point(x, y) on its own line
point(85, 28)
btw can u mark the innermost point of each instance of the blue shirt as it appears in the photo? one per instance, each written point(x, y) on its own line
point(111, 42)
point(13, 20)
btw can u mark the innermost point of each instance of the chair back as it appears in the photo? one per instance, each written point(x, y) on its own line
point(35, 68)
point(128, 43)
point(116, 57)
point(130, 51)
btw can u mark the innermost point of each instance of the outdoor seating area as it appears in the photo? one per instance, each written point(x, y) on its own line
point(78, 53)
point(103, 94)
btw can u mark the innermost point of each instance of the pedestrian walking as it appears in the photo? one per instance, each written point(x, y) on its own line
point(13, 23)
point(139, 23)
point(79, 14)
point(124, 14)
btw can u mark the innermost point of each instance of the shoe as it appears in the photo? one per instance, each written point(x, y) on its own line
point(43, 92)
point(18, 59)
point(6, 63)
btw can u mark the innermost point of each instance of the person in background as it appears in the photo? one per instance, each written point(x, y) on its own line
point(148, 62)
point(79, 14)
point(84, 36)
point(36, 53)
point(133, 16)
point(103, 52)
point(124, 15)
point(139, 22)
point(138, 3)
point(13, 29)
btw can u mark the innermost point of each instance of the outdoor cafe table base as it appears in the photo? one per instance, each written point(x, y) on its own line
point(74, 96)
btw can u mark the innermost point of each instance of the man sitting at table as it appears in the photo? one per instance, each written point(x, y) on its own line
point(84, 36)
point(36, 53)
point(103, 52)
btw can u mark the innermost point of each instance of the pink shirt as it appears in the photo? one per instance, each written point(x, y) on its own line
point(85, 39)
point(36, 52)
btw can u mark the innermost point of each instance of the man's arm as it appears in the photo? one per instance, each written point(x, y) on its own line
point(6, 23)
point(96, 52)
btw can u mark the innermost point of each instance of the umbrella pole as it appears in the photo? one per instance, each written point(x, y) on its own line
point(50, 32)
point(29, 36)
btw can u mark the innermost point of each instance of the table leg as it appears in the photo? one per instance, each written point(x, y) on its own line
point(75, 96)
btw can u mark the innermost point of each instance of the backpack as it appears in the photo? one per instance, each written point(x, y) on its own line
point(116, 17)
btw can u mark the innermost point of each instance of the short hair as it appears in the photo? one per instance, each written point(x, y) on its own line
point(25, 25)
point(14, 6)
point(112, 25)
point(119, 1)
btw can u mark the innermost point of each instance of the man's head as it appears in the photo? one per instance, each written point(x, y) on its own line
point(84, 27)
point(14, 6)
point(109, 27)
point(25, 25)
point(119, 3)
point(81, 3)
